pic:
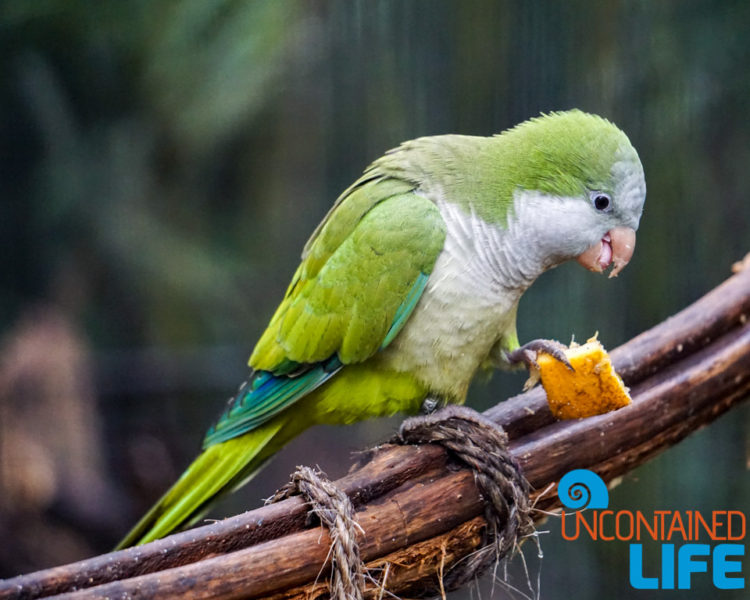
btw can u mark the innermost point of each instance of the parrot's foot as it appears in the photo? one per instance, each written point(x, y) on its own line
point(527, 353)
point(430, 405)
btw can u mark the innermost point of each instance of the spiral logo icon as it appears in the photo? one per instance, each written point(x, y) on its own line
point(581, 489)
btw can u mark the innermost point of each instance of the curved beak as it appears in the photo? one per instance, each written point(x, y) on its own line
point(616, 247)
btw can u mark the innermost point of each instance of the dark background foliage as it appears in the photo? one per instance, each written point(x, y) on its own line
point(162, 164)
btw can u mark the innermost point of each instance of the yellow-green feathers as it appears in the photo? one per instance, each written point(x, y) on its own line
point(218, 470)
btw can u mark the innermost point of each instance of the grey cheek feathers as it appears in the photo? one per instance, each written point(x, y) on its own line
point(630, 193)
point(553, 228)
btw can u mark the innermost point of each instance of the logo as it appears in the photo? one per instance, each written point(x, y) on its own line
point(693, 543)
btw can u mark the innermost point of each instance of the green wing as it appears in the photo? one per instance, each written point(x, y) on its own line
point(362, 275)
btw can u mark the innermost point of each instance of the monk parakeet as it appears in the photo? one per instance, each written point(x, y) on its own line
point(410, 285)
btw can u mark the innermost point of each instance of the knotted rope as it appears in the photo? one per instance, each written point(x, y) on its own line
point(335, 511)
point(475, 441)
point(482, 445)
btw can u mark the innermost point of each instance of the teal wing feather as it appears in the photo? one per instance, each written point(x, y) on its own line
point(264, 396)
point(405, 309)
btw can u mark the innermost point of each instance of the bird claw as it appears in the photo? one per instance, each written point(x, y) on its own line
point(527, 354)
point(430, 405)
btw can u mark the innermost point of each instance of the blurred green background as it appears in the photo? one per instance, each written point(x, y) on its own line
point(163, 162)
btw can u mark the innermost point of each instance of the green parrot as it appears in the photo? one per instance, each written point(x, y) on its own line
point(410, 285)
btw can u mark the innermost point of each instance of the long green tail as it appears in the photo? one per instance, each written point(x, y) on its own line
point(218, 470)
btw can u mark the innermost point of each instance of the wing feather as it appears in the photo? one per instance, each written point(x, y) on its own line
point(361, 277)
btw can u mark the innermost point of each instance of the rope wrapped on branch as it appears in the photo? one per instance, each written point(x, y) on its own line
point(482, 445)
point(335, 511)
point(419, 516)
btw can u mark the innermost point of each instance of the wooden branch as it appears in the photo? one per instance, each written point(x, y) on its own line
point(410, 571)
point(414, 505)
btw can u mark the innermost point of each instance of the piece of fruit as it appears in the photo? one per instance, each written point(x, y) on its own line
point(593, 388)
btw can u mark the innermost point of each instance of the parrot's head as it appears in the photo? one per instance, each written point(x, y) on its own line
point(584, 181)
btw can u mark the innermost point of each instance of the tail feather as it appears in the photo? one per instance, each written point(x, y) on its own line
point(218, 470)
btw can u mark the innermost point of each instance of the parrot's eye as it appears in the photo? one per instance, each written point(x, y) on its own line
point(601, 201)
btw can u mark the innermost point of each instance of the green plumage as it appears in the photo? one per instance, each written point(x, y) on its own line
point(349, 304)
point(409, 285)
